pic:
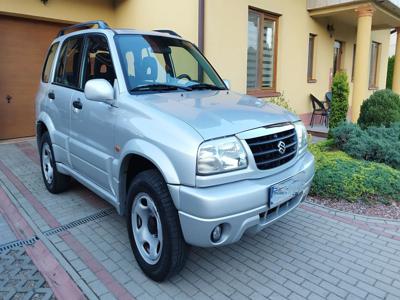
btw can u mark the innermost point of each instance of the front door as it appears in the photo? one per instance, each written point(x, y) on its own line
point(23, 48)
point(92, 123)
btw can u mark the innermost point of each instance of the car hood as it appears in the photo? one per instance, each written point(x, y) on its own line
point(219, 113)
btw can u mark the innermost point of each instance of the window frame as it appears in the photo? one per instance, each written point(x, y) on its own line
point(261, 91)
point(311, 78)
point(83, 58)
point(354, 62)
point(339, 61)
point(78, 88)
point(374, 85)
point(55, 59)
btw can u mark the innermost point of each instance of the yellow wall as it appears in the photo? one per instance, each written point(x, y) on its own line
point(226, 35)
point(70, 11)
point(177, 15)
point(226, 47)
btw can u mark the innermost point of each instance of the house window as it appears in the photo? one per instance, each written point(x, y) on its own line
point(311, 56)
point(354, 62)
point(337, 56)
point(261, 53)
point(374, 64)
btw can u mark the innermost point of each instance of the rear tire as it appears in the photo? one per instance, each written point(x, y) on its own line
point(154, 228)
point(55, 182)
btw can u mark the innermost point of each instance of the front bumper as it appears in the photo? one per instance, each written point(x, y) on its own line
point(239, 206)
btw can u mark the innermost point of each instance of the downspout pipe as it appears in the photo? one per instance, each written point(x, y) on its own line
point(201, 35)
point(201, 25)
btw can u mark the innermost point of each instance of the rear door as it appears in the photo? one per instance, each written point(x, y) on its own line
point(92, 125)
point(64, 85)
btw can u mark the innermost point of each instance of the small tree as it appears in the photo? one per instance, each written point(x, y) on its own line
point(340, 102)
point(382, 108)
point(389, 77)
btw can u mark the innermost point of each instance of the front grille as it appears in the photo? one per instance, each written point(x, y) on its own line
point(266, 151)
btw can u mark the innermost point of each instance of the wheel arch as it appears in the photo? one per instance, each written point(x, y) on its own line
point(44, 124)
point(142, 156)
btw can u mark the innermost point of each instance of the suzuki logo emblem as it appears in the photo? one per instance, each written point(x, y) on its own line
point(281, 147)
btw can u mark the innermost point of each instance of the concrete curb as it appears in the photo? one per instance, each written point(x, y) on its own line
point(354, 216)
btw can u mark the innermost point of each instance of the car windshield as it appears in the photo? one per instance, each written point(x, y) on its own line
point(156, 63)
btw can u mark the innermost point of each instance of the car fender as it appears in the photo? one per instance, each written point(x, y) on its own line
point(152, 153)
point(58, 140)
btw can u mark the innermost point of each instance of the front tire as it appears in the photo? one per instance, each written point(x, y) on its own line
point(55, 182)
point(153, 227)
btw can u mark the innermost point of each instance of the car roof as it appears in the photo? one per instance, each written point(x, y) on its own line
point(166, 33)
point(103, 27)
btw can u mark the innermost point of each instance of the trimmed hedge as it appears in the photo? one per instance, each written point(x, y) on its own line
point(390, 71)
point(381, 108)
point(338, 176)
point(340, 100)
point(379, 144)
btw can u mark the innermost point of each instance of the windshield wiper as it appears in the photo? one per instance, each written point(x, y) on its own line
point(205, 86)
point(158, 87)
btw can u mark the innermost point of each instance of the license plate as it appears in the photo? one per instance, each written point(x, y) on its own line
point(286, 190)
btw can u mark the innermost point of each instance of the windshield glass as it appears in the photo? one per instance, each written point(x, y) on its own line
point(155, 63)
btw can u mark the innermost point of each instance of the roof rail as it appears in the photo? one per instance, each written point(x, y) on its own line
point(101, 25)
point(171, 32)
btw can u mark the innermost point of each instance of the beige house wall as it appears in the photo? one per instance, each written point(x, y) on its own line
point(226, 47)
point(70, 11)
point(177, 15)
point(226, 35)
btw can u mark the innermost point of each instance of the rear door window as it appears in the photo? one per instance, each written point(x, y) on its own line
point(69, 63)
point(49, 62)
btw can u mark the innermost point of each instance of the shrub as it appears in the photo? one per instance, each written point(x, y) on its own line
point(338, 176)
point(381, 108)
point(379, 144)
point(390, 70)
point(282, 102)
point(340, 101)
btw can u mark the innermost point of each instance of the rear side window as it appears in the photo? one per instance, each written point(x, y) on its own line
point(49, 62)
point(69, 63)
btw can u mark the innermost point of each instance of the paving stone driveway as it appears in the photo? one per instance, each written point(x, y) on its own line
point(312, 253)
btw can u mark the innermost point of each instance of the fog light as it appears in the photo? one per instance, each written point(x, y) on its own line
point(216, 234)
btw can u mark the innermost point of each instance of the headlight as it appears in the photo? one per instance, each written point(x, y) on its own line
point(222, 155)
point(301, 132)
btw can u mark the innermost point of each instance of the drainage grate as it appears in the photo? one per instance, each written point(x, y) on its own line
point(31, 241)
point(82, 221)
point(18, 243)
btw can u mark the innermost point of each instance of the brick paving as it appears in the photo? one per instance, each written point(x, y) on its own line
point(313, 253)
point(20, 278)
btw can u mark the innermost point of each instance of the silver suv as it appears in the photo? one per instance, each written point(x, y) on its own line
point(143, 120)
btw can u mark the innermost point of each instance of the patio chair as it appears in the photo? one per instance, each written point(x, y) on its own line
point(319, 109)
point(328, 97)
point(328, 102)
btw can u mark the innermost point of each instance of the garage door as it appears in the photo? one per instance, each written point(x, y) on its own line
point(23, 47)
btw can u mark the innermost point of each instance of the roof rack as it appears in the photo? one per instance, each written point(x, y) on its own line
point(100, 24)
point(171, 32)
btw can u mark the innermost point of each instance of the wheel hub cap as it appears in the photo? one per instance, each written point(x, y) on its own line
point(146, 227)
point(47, 163)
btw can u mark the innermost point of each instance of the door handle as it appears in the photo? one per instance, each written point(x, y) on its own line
point(77, 104)
point(51, 95)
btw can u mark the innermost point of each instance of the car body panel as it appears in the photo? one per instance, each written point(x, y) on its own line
point(219, 113)
point(94, 143)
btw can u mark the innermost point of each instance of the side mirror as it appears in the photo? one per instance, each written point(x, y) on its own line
point(227, 83)
point(99, 90)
